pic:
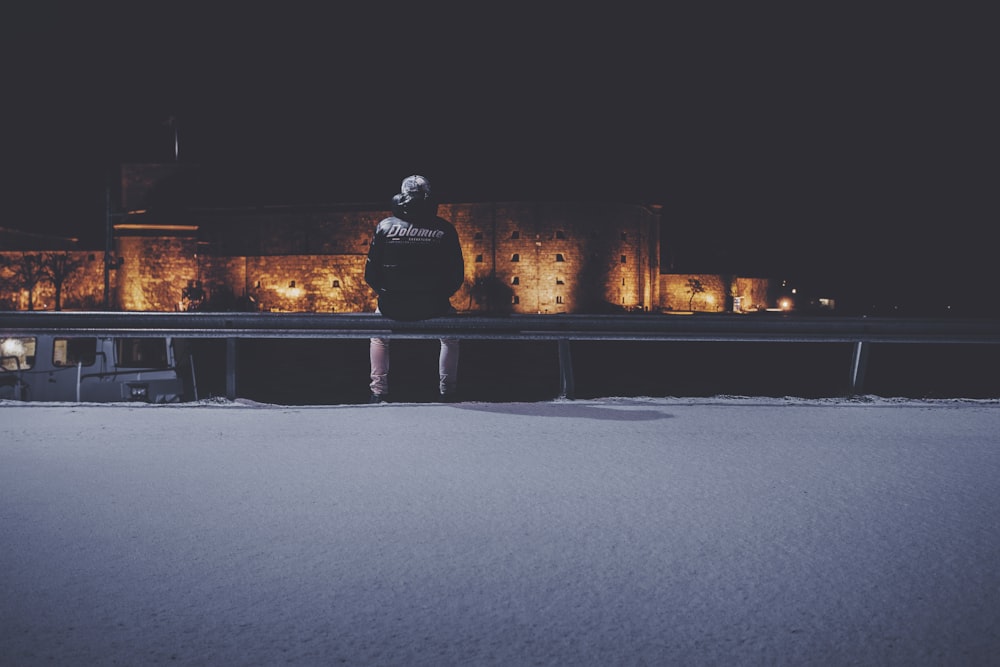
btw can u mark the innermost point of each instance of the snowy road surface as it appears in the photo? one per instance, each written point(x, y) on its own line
point(601, 532)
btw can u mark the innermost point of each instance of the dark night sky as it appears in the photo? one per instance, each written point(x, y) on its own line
point(852, 149)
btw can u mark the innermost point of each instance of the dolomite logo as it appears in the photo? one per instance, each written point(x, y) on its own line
point(409, 231)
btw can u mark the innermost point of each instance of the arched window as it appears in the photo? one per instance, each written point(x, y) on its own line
point(559, 257)
point(515, 257)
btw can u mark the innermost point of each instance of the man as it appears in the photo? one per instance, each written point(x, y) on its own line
point(415, 265)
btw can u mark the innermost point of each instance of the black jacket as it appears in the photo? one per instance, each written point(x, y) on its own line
point(415, 263)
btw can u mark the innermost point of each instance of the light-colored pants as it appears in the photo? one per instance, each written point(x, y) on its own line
point(378, 350)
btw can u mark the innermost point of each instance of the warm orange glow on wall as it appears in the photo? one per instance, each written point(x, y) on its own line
point(130, 226)
point(571, 257)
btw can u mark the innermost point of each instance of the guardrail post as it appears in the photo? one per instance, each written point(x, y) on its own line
point(231, 369)
point(859, 362)
point(566, 388)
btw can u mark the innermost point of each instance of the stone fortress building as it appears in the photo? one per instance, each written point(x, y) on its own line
point(520, 257)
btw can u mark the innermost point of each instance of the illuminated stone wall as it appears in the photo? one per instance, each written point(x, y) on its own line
point(564, 257)
point(309, 283)
point(717, 293)
point(286, 259)
point(153, 270)
point(519, 257)
point(756, 293)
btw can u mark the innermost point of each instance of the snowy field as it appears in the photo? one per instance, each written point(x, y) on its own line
point(714, 531)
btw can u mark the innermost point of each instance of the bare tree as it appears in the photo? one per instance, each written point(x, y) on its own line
point(26, 274)
point(694, 289)
point(57, 268)
point(6, 281)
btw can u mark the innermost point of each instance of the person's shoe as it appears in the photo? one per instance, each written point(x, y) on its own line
point(377, 398)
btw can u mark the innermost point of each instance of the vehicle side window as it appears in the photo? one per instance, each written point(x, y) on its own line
point(73, 351)
point(17, 354)
point(141, 352)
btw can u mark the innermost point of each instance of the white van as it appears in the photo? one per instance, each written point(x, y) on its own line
point(50, 367)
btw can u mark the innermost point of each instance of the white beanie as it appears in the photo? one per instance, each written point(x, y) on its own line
point(416, 187)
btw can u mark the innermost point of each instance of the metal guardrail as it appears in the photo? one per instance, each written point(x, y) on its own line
point(764, 327)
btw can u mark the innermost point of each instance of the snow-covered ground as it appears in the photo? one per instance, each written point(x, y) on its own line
point(720, 531)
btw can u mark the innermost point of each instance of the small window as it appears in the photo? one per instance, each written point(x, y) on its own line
point(515, 299)
point(515, 257)
point(73, 351)
point(559, 299)
point(257, 285)
point(559, 257)
point(141, 352)
point(559, 281)
point(515, 235)
point(478, 236)
point(335, 284)
point(17, 354)
point(624, 259)
point(515, 280)
point(479, 258)
point(291, 284)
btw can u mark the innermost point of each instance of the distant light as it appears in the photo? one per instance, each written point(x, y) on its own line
point(785, 304)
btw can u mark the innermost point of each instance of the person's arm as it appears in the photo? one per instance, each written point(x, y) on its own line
point(373, 264)
point(455, 275)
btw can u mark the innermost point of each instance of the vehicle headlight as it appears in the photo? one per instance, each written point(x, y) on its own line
point(138, 392)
